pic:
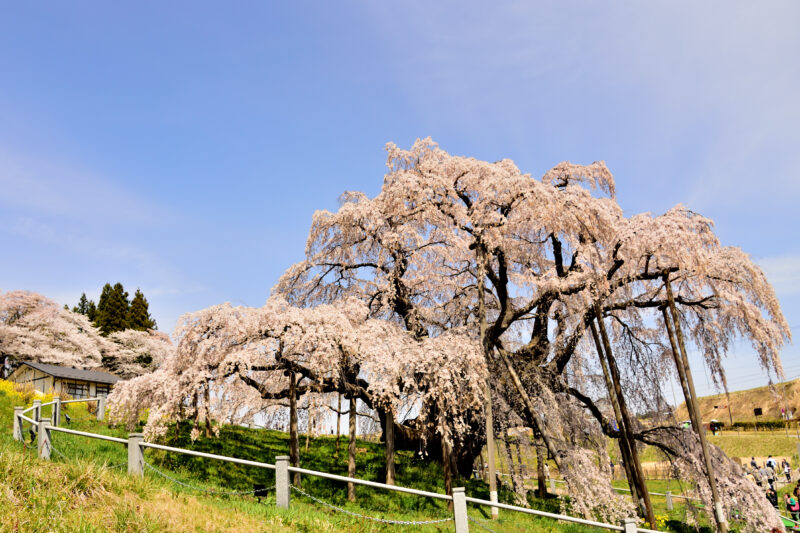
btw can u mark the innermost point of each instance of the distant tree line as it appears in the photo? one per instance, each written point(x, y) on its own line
point(114, 312)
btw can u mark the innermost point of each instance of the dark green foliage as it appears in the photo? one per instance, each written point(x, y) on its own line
point(112, 311)
point(139, 314)
point(83, 305)
point(91, 311)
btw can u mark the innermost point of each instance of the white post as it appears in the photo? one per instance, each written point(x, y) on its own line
point(460, 510)
point(18, 423)
point(56, 411)
point(43, 440)
point(669, 500)
point(101, 409)
point(282, 481)
point(493, 499)
point(630, 525)
point(552, 485)
point(135, 455)
point(37, 409)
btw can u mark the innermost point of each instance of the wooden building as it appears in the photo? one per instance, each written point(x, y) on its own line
point(73, 381)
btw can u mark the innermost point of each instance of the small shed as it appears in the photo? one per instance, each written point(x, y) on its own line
point(76, 382)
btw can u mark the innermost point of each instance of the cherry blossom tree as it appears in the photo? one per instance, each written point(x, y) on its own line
point(232, 363)
point(35, 328)
point(548, 258)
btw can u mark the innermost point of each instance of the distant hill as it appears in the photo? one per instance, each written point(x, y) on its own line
point(742, 403)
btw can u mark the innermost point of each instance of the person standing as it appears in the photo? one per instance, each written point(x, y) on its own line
point(792, 506)
point(772, 496)
point(771, 462)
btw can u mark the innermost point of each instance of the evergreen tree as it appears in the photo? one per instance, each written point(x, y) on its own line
point(112, 311)
point(139, 314)
point(83, 305)
point(91, 311)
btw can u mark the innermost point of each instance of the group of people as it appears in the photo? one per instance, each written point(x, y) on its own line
point(767, 474)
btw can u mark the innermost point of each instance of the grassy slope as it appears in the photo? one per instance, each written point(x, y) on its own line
point(742, 403)
point(87, 493)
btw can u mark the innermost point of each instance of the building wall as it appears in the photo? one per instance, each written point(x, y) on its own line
point(45, 383)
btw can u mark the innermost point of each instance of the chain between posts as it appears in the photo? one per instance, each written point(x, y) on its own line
point(207, 491)
point(481, 524)
point(365, 517)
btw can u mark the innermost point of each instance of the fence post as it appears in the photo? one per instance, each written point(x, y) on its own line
point(37, 409)
point(282, 481)
point(56, 411)
point(101, 409)
point(460, 510)
point(552, 485)
point(18, 423)
point(669, 500)
point(630, 525)
point(43, 439)
point(135, 455)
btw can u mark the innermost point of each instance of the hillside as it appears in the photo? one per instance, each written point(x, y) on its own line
point(742, 403)
point(86, 491)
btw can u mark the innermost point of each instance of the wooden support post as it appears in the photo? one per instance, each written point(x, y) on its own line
point(282, 482)
point(669, 500)
point(37, 410)
point(684, 368)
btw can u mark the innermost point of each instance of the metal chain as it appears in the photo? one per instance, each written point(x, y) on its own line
point(481, 524)
point(200, 489)
point(374, 519)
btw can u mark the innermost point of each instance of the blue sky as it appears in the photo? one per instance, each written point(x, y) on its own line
point(183, 148)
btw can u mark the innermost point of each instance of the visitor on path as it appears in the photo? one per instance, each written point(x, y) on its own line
point(753, 462)
point(767, 474)
point(758, 477)
point(787, 471)
point(771, 462)
point(772, 496)
point(792, 506)
point(796, 490)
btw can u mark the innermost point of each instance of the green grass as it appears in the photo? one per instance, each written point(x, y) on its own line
point(86, 493)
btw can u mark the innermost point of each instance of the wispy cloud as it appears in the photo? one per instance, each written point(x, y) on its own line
point(39, 186)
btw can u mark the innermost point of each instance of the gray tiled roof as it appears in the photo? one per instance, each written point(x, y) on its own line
point(74, 373)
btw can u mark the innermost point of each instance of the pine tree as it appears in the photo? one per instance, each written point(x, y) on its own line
point(91, 311)
point(83, 305)
point(112, 311)
point(139, 314)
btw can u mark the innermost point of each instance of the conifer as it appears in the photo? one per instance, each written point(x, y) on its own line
point(139, 315)
point(112, 312)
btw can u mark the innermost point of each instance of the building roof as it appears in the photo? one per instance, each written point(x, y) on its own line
point(74, 373)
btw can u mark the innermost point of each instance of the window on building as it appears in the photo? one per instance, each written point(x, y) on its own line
point(78, 390)
point(102, 389)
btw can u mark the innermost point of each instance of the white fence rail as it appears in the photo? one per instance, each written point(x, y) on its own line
point(136, 463)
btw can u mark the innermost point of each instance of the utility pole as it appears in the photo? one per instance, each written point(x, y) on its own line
point(685, 374)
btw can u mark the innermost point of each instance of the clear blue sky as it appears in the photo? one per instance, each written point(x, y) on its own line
point(182, 148)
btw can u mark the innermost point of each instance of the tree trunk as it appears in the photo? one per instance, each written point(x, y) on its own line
point(208, 411)
point(389, 438)
point(624, 445)
point(338, 421)
point(644, 495)
point(481, 467)
point(540, 481)
point(685, 373)
point(351, 450)
point(448, 473)
point(294, 441)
